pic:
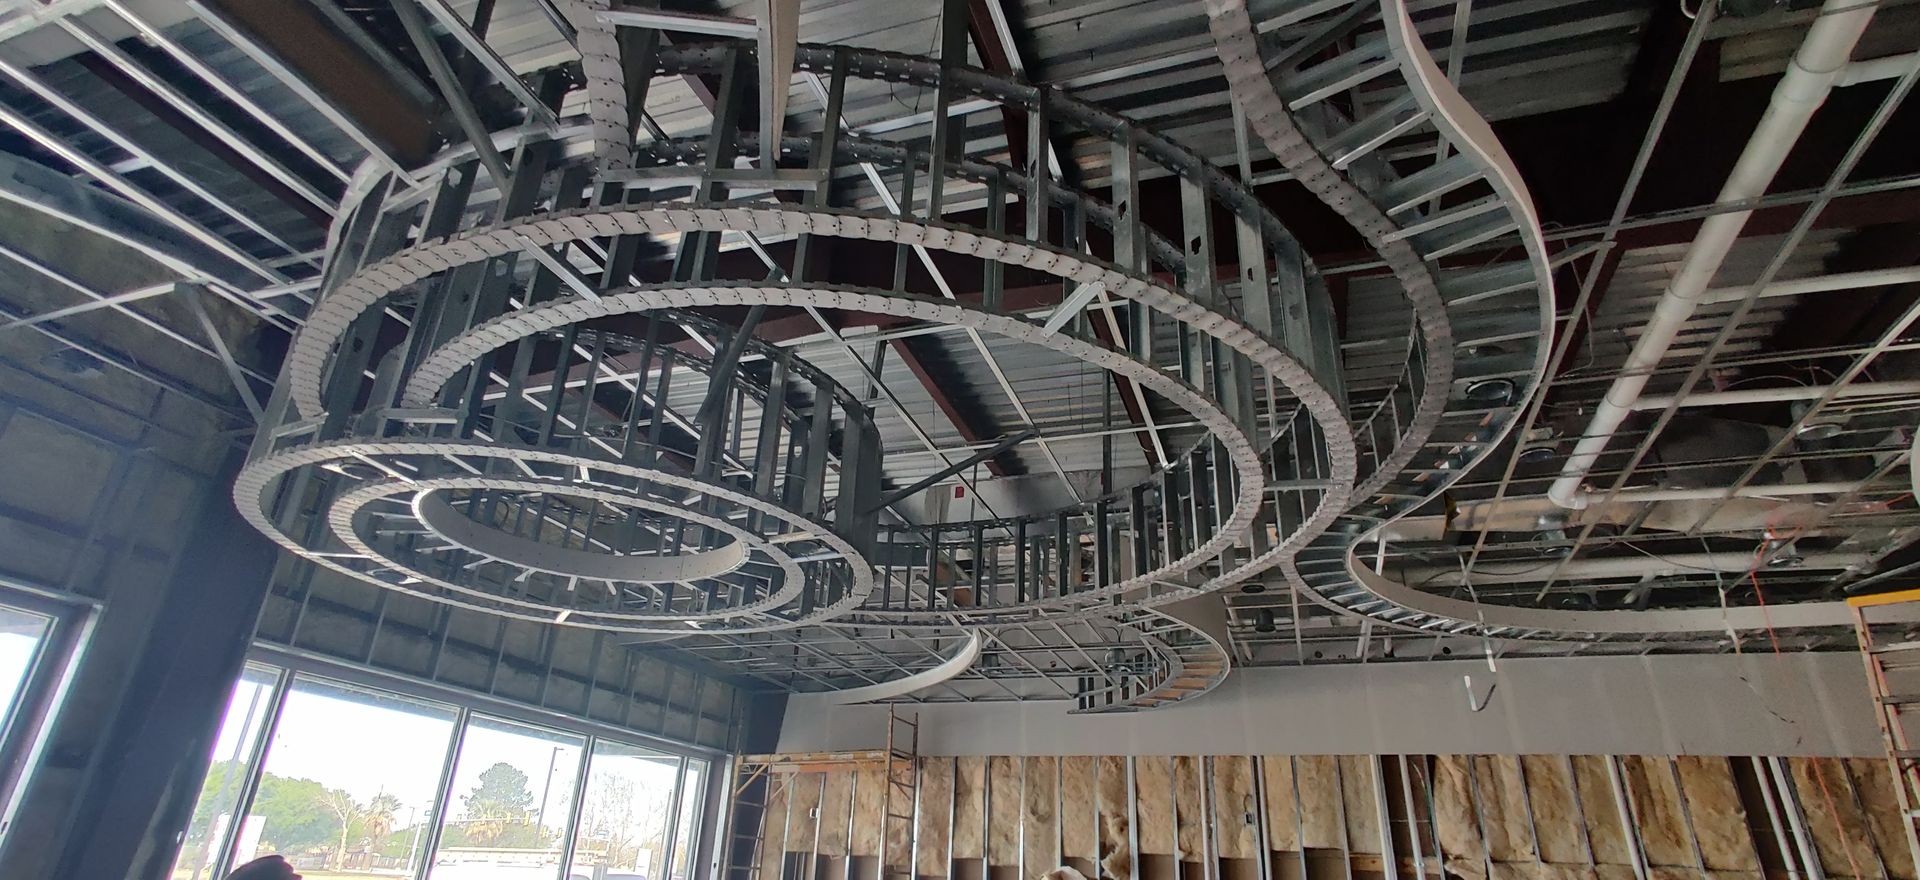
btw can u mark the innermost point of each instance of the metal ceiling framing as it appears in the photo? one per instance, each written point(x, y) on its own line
point(242, 170)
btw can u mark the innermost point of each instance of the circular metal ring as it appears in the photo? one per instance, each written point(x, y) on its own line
point(440, 365)
point(260, 479)
point(351, 518)
point(433, 510)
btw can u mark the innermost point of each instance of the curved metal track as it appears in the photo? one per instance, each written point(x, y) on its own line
point(945, 670)
point(1188, 660)
point(1266, 477)
point(1497, 324)
point(1318, 50)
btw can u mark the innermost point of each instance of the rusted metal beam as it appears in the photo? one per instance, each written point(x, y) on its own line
point(204, 139)
point(994, 54)
point(936, 389)
point(400, 116)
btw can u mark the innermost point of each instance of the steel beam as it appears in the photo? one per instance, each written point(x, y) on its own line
point(936, 390)
point(1006, 443)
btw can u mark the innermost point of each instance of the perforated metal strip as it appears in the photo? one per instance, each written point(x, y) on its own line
point(599, 46)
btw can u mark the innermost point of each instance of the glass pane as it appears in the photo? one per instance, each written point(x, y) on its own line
point(21, 633)
point(233, 751)
point(623, 820)
point(693, 803)
point(349, 782)
point(512, 797)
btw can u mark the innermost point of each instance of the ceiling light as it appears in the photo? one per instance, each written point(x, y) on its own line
point(1818, 431)
point(1785, 555)
point(1494, 391)
point(1537, 454)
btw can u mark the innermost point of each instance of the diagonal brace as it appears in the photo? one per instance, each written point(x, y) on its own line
point(1006, 443)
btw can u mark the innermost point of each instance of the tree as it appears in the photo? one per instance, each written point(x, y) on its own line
point(501, 794)
point(294, 815)
point(346, 809)
point(626, 815)
point(607, 817)
point(217, 794)
point(378, 819)
point(498, 809)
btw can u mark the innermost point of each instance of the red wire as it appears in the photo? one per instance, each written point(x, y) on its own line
point(1819, 772)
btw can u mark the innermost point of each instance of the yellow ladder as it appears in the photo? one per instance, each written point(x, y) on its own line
point(1893, 676)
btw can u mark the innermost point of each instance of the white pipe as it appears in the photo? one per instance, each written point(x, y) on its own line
point(1715, 493)
point(1890, 67)
point(1524, 572)
point(1818, 284)
point(1777, 395)
point(1801, 90)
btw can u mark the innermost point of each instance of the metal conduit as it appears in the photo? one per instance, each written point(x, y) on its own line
point(1782, 394)
point(1819, 284)
point(1624, 567)
point(1815, 68)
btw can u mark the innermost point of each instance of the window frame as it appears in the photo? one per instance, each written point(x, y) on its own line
point(291, 666)
point(49, 675)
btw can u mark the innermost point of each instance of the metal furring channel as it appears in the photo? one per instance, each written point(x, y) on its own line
point(1187, 661)
point(1255, 463)
point(347, 303)
point(1405, 221)
point(1163, 254)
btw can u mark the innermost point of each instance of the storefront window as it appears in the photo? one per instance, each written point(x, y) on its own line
point(350, 781)
point(512, 799)
point(234, 749)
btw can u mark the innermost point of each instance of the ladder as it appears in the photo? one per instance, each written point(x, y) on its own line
point(903, 778)
point(757, 778)
point(752, 790)
point(1891, 650)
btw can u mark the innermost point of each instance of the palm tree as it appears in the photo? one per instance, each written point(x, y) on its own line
point(378, 820)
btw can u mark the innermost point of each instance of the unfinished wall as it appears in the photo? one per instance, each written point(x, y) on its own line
point(1353, 817)
point(1756, 704)
point(594, 674)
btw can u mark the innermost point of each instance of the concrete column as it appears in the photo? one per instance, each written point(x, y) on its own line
point(129, 743)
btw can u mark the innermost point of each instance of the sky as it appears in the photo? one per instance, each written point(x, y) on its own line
point(20, 634)
point(16, 653)
point(367, 743)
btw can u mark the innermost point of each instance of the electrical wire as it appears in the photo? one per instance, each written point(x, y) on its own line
point(1652, 555)
point(1773, 639)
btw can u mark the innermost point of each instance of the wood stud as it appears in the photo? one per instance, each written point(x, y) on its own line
point(1396, 817)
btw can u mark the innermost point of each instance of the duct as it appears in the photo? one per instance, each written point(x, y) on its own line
point(1530, 572)
point(1747, 512)
point(1780, 395)
point(1816, 66)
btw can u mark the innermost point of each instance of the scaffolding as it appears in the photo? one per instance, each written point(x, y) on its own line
point(758, 778)
point(1891, 651)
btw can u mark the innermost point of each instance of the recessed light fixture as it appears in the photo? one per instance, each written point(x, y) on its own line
point(1494, 391)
